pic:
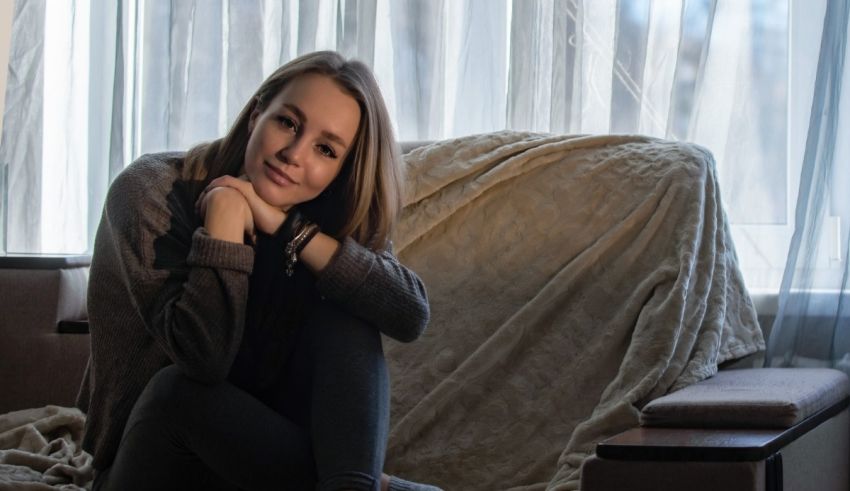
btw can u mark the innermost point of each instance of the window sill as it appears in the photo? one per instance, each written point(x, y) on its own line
point(44, 261)
point(73, 327)
point(766, 302)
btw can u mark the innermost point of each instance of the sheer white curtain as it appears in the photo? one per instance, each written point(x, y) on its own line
point(95, 83)
point(812, 326)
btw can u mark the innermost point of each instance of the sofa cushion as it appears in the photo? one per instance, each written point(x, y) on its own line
point(751, 398)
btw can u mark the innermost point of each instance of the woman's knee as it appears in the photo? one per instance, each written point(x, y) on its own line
point(339, 339)
point(170, 394)
point(328, 322)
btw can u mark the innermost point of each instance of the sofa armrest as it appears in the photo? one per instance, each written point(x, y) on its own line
point(41, 363)
point(771, 429)
point(710, 444)
point(73, 327)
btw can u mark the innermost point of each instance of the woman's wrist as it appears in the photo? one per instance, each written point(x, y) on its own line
point(227, 217)
point(289, 227)
point(303, 234)
point(318, 252)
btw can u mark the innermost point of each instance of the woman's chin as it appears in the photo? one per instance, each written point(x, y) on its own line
point(281, 205)
point(284, 205)
point(271, 194)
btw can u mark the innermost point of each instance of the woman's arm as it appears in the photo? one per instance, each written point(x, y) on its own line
point(374, 286)
point(227, 215)
point(188, 286)
point(318, 252)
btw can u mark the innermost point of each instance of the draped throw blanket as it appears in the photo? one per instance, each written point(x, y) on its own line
point(40, 449)
point(572, 279)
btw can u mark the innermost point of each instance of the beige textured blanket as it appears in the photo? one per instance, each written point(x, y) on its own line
point(40, 450)
point(571, 279)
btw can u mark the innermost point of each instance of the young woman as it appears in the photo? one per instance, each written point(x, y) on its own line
point(237, 294)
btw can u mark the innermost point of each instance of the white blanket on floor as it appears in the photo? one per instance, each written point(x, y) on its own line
point(40, 450)
point(571, 280)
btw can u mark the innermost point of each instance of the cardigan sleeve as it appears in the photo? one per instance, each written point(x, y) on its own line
point(189, 288)
point(376, 287)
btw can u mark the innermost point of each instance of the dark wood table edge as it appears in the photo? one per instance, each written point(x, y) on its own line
point(610, 449)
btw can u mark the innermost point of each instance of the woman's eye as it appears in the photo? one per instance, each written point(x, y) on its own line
point(287, 123)
point(327, 151)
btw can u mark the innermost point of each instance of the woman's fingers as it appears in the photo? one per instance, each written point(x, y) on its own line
point(266, 218)
point(222, 181)
point(231, 182)
point(222, 202)
point(199, 204)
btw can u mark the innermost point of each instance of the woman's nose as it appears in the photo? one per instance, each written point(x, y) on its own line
point(292, 152)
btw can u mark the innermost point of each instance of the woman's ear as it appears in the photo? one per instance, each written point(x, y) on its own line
point(255, 113)
point(252, 119)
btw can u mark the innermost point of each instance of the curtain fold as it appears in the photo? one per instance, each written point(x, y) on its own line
point(22, 129)
point(481, 56)
point(244, 32)
point(530, 72)
point(659, 69)
point(812, 326)
point(106, 94)
point(629, 59)
point(356, 29)
point(419, 61)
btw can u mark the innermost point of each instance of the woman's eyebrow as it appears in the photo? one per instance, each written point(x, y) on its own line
point(327, 134)
point(297, 110)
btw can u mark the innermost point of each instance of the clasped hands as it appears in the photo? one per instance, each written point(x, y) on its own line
point(232, 210)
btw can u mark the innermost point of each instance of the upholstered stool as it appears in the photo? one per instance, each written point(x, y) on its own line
point(751, 429)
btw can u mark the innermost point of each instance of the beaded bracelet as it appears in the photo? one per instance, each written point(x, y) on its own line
point(305, 234)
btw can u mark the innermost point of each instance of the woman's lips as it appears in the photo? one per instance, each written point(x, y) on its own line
point(278, 176)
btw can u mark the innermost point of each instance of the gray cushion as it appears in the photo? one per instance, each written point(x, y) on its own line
point(751, 398)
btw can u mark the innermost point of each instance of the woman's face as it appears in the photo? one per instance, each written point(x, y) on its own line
point(298, 143)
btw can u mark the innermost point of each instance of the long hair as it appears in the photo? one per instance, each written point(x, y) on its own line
point(364, 200)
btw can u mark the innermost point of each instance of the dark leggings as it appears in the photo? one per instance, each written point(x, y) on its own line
point(330, 433)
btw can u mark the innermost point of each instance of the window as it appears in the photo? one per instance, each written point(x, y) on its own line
point(125, 78)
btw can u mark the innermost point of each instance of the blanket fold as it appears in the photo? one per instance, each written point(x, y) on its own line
point(572, 279)
point(40, 449)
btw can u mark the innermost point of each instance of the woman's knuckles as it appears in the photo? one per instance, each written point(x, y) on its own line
point(225, 197)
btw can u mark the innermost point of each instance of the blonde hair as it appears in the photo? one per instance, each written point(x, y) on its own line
point(364, 201)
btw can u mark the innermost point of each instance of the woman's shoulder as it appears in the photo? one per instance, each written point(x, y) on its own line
point(144, 185)
point(153, 173)
point(151, 169)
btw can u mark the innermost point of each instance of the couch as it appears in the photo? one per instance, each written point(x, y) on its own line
point(574, 280)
